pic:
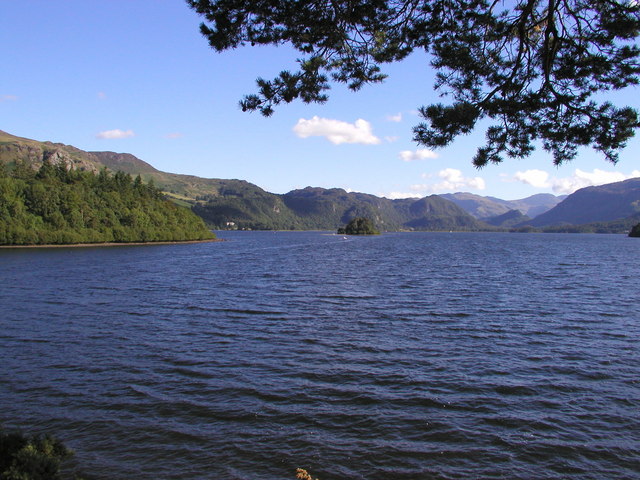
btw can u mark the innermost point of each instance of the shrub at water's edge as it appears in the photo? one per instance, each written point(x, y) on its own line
point(31, 457)
point(40, 457)
point(635, 231)
point(359, 226)
point(58, 205)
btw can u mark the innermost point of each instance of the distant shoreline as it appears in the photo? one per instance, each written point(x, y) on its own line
point(111, 244)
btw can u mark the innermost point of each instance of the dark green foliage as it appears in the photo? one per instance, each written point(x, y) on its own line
point(435, 213)
point(635, 231)
point(30, 458)
point(244, 206)
point(537, 69)
point(57, 205)
point(359, 226)
point(330, 208)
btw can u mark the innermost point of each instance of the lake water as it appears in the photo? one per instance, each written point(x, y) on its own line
point(403, 356)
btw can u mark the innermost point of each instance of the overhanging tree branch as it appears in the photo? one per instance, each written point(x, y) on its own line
point(534, 66)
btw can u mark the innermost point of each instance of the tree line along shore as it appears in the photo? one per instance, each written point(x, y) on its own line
point(57, 205)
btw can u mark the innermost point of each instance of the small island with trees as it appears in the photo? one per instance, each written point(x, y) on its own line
point(359, 226)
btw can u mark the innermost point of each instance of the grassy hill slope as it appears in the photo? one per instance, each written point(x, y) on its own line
point(603, 203)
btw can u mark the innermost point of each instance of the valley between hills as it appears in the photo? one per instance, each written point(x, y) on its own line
point(238, 204)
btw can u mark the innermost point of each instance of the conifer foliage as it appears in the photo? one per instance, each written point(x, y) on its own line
point(57, 205)
point(537, 69)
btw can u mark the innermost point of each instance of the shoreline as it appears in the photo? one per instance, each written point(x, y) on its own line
point(112, 244)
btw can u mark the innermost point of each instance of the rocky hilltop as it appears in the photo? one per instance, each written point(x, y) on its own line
point(33, 153)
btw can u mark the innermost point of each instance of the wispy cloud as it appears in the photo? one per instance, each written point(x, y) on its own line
point(451, 180)
point(114, 134)
point(336, 131)
point(566, 185)
point(174, 135)
point(8, 98)
point(395, 118)
point(420, 154)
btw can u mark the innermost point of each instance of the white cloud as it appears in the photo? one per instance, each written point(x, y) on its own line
point(420, 154)
point(579, 179)
point(400, 195)
point(535, 178)
point(113, 134)
point(8, 98)
point(451, 180)
point(395, 118)
point(336, 131)
point(391, 139)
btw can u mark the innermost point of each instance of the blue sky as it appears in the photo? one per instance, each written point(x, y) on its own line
point(136, 76)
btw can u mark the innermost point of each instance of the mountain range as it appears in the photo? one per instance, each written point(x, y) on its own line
point(240, 204)
point(485, 208)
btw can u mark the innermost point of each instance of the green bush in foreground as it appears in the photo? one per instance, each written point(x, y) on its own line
point(31, 457)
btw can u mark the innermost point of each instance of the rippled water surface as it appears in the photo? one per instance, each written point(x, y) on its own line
point(404, 356)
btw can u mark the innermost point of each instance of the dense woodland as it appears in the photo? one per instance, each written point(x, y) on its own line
point(59, 205)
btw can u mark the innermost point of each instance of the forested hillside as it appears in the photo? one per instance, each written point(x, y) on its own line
point(57, 204)
point(328, 209)
point(238, 204)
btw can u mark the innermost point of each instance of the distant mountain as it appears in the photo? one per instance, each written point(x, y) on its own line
point(489, 207)
point(330, 208)
point(536, 204)
point(240, 204)
point(509, 219)
point(603, 203)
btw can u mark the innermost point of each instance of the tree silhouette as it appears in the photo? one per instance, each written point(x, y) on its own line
point(536, 68)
